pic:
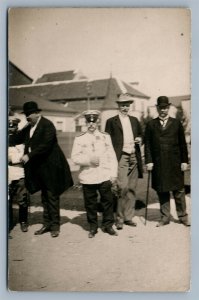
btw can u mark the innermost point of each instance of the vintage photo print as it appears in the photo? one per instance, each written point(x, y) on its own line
point(99, 152)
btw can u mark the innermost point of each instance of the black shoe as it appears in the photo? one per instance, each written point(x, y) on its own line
point(119, 226)
point(24, 226)
point(185, 223)
point(162, 223)
point(130, 223)
point(92, 233)
point(54, 233)
point(42, 230)
point(110, 231)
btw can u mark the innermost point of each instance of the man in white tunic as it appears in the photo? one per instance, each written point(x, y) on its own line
point(94, 153)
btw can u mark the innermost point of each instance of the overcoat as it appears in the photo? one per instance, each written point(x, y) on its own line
point(166, 148)
point(114, 128)
point(47, 166)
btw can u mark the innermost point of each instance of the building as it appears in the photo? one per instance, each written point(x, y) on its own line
point(61, 76)
point(62, 117)
point(17, 76)
point(80, 95)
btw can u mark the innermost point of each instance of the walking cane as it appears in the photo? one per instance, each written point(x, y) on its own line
point(147, 195)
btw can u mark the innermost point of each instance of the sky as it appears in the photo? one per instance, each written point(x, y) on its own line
point(150, 47)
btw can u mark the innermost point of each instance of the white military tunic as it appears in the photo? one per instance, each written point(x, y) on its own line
point(99, 144)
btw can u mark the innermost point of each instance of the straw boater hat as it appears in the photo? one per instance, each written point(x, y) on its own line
point(125, 98)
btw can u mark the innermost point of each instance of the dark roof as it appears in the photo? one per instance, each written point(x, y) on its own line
point(17, 76)
point(176, 101)
point(77, 90)
point(18, 97)
point(60, 76)
point(133, 92)
point(112, 94)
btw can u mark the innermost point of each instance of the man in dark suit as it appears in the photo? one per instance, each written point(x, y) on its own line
point(167, 157)
point(126, 133)
point(46, 168)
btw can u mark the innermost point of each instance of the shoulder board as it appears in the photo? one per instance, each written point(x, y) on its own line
point(81, 134)
point(104, 132)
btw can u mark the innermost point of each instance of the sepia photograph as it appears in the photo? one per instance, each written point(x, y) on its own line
point(99, 149)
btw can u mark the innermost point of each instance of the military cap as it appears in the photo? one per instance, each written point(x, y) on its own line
point(125, 98)
point(91, 115)
point(13, 121)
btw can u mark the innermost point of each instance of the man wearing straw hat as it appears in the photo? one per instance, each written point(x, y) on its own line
point(126, 136)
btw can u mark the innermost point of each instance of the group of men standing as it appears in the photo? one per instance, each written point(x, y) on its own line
point(108, 161)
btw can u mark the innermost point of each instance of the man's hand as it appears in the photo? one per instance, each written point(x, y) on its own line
point(113, 180)
point(149, 167)
point(184, 167)
point(25, 159)
point(138, 140)
point(94, 160)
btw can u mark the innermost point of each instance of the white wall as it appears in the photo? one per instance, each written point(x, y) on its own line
point(105, 115)
point(65, 124)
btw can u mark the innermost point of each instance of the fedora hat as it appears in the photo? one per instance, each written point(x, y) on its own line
point(125, 98)
point(163, 101)
point(30, 107)
point(91, 115)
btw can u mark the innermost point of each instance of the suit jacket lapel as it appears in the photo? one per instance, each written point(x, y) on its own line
point(118, 122)
point(169, 122)
point(37, 128)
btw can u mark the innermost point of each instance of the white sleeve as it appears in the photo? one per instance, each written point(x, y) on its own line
point(77, 155)
point(112, 157)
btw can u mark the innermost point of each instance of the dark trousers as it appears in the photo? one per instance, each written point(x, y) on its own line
point(19, 194)
point(51, 210)
point(91, 205)
point(164, 199)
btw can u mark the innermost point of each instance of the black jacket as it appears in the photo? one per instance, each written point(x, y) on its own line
point(47, 166)
point(114, 128)
point(167, 149)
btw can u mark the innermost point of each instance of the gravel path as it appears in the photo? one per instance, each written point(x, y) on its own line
point(145, 258)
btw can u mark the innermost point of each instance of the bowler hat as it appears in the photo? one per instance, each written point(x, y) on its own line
point(30, 107)
point(163, 101)
point(125, 98)
point(91, 115)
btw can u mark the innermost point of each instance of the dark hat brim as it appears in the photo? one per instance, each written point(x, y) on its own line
point(163, 105)
point(28, 112)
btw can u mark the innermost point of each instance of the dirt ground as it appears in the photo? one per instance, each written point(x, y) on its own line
point(145, 258)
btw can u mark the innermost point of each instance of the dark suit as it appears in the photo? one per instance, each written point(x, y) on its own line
point(130, 167)
point(47, 169)
point(166, 148)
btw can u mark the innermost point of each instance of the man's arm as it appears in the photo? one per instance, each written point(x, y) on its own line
point(48, 139)
point(108, 127)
